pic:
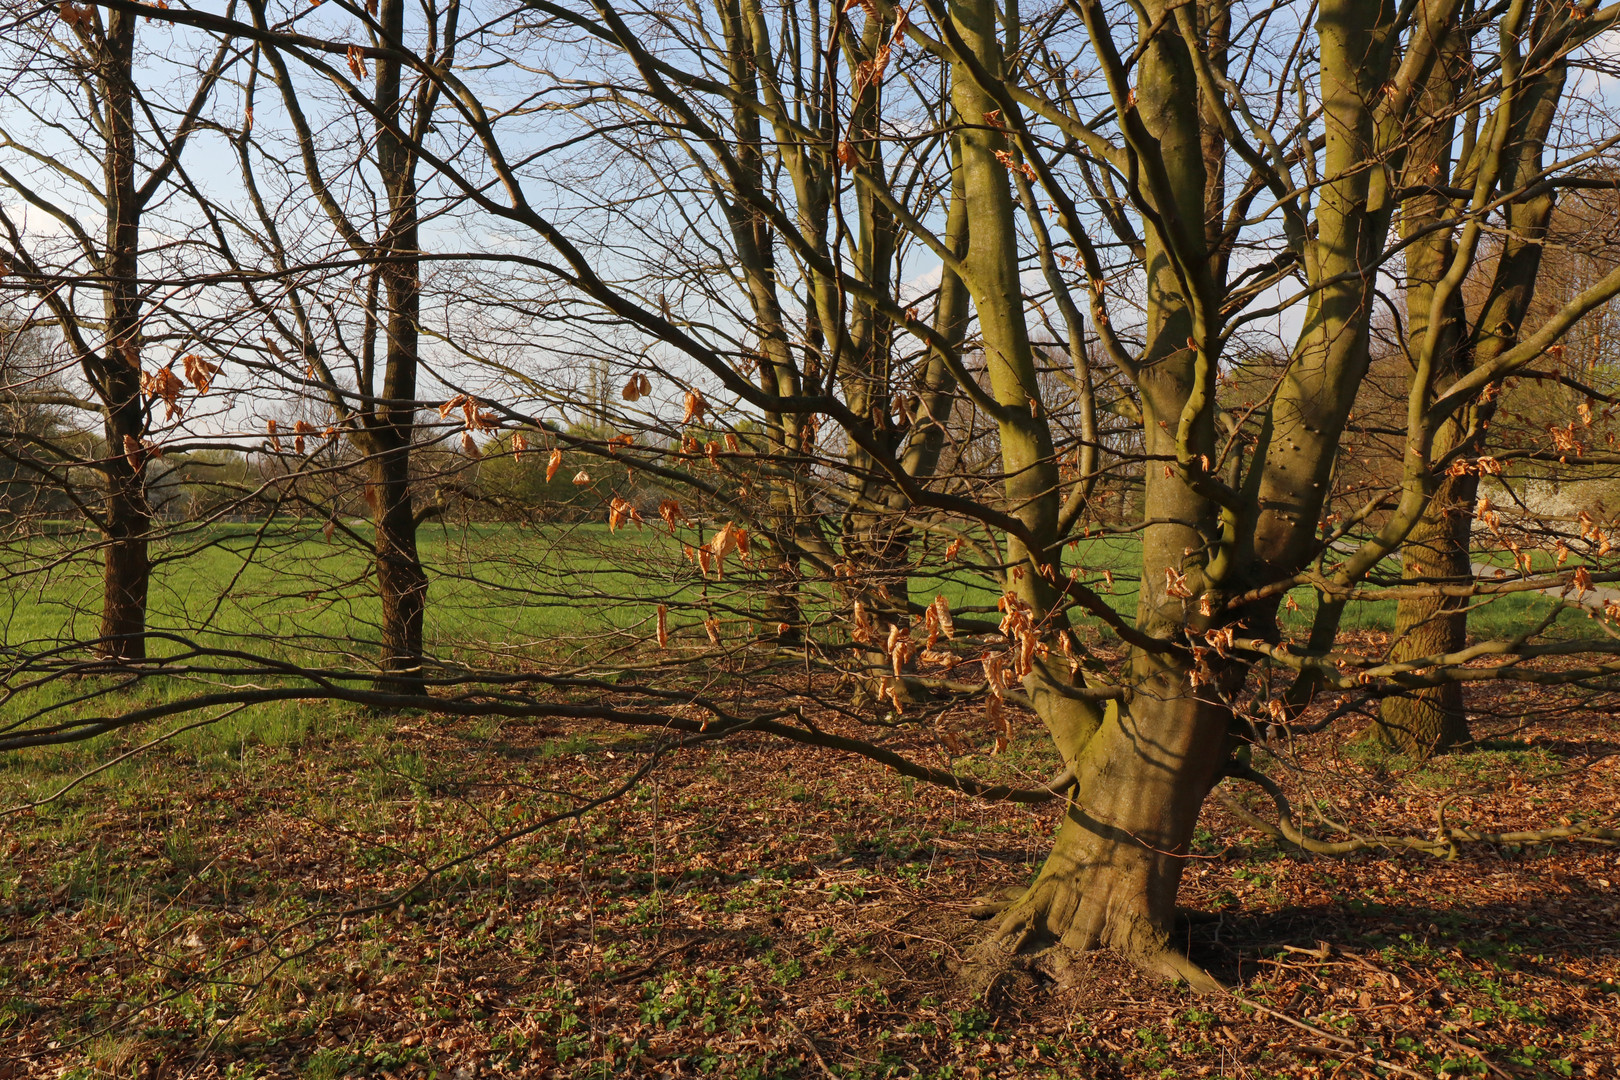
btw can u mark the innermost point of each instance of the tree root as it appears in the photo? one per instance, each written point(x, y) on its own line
point(1174, 966)
point(1026, 942)
point(986, 907)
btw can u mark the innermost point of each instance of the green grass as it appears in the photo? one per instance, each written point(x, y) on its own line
point(499, 596)
point(291, 587)
point(500, 593)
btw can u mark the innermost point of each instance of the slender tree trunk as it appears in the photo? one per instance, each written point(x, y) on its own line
point(401, 581)
point(871, 538)
point(126, 517)
point(126, 567)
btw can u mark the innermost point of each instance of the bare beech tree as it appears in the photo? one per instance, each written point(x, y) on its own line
point(1228, 216)
point(375, 397)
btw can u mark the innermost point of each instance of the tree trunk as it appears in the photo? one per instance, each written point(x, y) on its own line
point(126, 569)
point(1431, 720)
point(1116, 862)
point(401, 581)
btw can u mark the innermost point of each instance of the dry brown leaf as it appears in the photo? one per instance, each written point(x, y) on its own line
point(164, 384)
point(670, 511)
point(199, 372)
point(618, 510)
point(695, 407)
point(863, 625)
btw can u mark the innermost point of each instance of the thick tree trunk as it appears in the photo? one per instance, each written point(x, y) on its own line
point(1433, 720)
point(1116, 862)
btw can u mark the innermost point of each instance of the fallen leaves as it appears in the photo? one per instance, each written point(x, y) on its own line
point(787, 883)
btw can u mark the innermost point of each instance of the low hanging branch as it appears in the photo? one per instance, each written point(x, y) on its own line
point(1444, 846)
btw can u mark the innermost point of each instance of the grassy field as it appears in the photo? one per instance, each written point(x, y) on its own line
point(293, 587)
point(503, 591)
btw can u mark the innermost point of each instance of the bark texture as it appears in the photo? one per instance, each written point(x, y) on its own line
point(402, 583)
point(126, 518)
point(1116, 863)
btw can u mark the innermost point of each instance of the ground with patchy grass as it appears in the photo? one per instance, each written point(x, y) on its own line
point(211, 908)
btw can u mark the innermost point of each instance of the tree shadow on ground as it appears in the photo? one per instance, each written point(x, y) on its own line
point(1530, 936)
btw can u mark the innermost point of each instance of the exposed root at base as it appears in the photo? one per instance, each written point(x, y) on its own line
point(1026, 943)
point(989, 906)
point(1174, 966)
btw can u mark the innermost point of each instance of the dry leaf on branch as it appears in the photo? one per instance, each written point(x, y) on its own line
point(863, 625)
point(670, 511)
point(636, 388)
point(164, 384)
point(199, 372)
point(695, 407)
